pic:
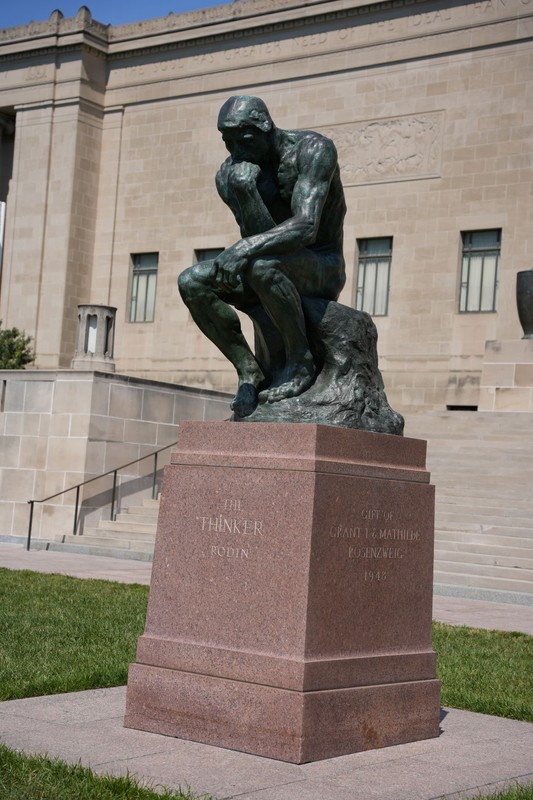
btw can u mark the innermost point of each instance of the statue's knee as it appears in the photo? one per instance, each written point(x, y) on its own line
point(192, 282)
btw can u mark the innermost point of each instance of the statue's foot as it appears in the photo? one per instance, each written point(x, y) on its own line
point(246, 400)
point(295, 380)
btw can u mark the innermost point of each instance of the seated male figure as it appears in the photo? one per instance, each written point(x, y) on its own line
point(285, 192)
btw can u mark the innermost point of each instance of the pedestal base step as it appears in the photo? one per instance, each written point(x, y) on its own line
point(287, 725)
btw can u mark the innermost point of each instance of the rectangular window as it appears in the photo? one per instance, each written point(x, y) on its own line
point(143, 286)
point(207, 253)
point(479, 270)
point(373, 275)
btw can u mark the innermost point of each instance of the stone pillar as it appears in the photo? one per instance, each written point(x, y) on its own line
point(95, 339)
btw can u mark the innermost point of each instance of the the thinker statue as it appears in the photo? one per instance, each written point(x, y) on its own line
point(284, 189)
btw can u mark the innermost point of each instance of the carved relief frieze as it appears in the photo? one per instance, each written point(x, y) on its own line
point(392, 149)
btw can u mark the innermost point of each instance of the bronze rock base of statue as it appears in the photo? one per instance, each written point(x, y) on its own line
point(348, 390)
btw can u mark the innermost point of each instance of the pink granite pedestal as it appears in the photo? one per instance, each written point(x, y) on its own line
point(290, 604)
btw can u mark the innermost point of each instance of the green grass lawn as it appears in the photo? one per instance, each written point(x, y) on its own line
point(515, 793)
point(61, 634)
point(40, 778)
point(486, 671)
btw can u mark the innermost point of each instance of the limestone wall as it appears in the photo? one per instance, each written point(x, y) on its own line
point(507, 376)
point(60, 428)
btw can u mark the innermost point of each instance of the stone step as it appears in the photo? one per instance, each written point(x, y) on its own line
point(457, 521)
point(514, 461)
point(151, 502)
point(481, 548)
point(469, 421)
point(463, 450)
point(464, 557)
point(525, 575)
point(483, 528)
point(137, 527)
point(446, 514)
point(137, 518)
point(111, 542)
point(483, 582)
point(510, 493)
point(486, 529)
point(487, 539)
point(148, 511)
point(479, 505)
point(503, 485)
point(122, 533)
point(97, 550)
point(460, 503)
point(458, 482)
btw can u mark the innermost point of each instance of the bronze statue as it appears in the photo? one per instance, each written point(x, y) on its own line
point(284, 190)
point(315, 360)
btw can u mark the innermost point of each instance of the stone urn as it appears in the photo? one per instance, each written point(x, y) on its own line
point(524, 301)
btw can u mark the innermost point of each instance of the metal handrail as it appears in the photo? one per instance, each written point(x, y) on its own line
point(78, 486)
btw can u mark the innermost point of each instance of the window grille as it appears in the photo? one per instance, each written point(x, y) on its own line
point(479, 271)
point(143, 286)
point(207, 254)
point(373, 275)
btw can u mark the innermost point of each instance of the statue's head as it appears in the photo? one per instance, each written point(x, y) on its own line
point(246, 127)
point(245, 110)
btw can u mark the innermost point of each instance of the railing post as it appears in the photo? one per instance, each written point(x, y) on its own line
point(154, 486)
point(97, 477)
point(114, 494)
point(31, 502)
point(75, 526)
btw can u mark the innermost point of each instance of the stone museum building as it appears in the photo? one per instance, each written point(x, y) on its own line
point(109, 148)
point(108, 154)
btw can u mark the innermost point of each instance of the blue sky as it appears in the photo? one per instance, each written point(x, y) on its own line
point(115, 12)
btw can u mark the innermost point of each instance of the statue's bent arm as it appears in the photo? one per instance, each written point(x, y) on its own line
point(317, 161)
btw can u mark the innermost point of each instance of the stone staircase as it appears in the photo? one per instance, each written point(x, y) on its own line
point(131, 535)
point(482, 467)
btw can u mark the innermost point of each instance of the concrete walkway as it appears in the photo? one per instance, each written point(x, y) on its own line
point(474, 753)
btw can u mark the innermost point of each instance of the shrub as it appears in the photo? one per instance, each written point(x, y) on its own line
point(15, 348)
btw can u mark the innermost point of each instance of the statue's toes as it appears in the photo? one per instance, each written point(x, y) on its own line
point(283, 392)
